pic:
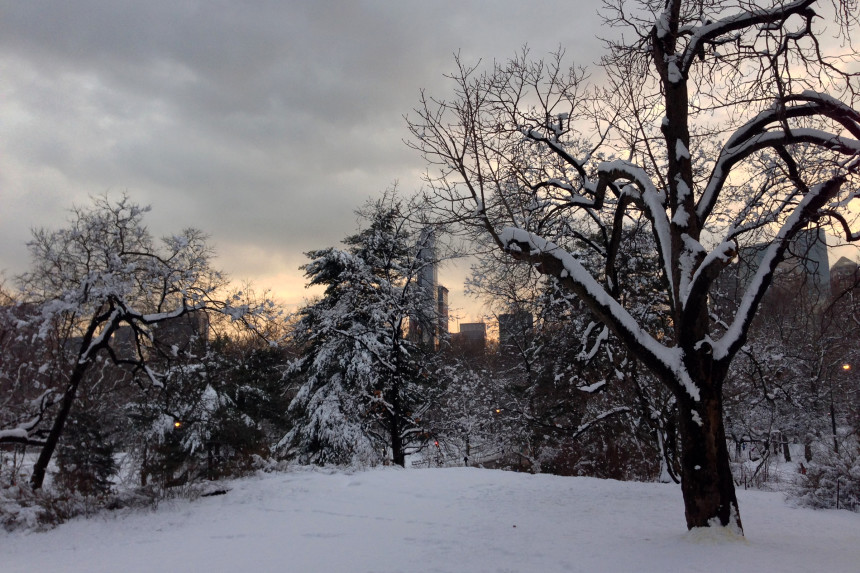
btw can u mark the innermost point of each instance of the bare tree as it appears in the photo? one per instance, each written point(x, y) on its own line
point(793, 379)
point(721, 122)
point(102, 273)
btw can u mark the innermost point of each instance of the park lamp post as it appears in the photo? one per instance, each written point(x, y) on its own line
point(846, 367)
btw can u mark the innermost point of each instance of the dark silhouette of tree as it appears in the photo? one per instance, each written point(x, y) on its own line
point(102, 273)
point(722, 123)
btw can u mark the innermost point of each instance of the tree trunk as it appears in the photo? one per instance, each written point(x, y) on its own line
point(398, 455)
point(833, 423)
point(706, 477)
point(41, 466)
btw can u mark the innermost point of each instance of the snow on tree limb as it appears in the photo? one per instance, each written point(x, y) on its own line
point(754, 136)
point(710, 32)
point(528, 246)
point(735, 335)
point(716, 260)
point(652, 200)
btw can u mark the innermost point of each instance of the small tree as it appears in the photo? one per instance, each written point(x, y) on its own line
point(103, 272)
point(719, 124)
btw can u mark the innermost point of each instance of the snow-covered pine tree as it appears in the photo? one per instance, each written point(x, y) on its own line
point(365, 384)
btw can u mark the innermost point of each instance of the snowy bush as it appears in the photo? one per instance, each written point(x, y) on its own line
point(25, 509)
point(17, 509)
point(833, 481)
point(22, 508)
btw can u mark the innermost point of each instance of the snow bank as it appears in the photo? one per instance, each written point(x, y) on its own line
point(457, 519)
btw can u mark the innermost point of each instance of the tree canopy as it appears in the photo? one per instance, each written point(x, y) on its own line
point(721, 123)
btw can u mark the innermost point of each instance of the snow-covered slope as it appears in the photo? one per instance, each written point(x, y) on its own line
point(457, 520)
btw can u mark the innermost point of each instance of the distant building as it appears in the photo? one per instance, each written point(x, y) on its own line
point(184, 333)
point(806, 264)
point(843, 275)
point(430, 324)
point(472, 336)
point(123, 342)
point(428, 274)
point(442, 311)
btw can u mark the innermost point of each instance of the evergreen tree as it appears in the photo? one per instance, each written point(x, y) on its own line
point(365, 386)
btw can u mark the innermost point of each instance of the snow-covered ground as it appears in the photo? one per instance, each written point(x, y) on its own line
point(455, 519)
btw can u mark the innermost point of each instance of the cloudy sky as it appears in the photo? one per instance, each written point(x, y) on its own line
point(265, 124)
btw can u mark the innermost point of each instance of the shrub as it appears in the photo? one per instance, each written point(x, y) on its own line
point(833, 481)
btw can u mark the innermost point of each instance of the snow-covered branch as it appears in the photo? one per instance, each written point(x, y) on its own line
point(557, 262)
point(723, 29)
point(755, 136)
point(735, 335)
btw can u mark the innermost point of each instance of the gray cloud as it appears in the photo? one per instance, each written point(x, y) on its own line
point(263, 123)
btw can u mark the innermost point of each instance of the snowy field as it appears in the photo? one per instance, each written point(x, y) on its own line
point(456, 520)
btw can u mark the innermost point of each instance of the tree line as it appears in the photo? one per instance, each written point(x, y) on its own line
point(643, 223)
point(225, 384)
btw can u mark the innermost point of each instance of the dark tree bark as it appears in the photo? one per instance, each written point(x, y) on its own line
point(82, 363)
point(53, 439)
point(706, 477)
point(398, 455)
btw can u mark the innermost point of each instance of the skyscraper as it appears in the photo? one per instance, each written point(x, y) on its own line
point(430, 323)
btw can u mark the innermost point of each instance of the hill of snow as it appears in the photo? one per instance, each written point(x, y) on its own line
point(440, 520)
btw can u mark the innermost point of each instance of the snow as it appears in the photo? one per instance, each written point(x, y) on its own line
point(687, 263)
point(603, 336)
point(653, 200)
point(723, 252)
point(697, 419)
point(662, 24)
point(674, 74)
point(441, 520)
point(14, 433)
point(592, 388)
point(825, 98)
point(681, 151)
